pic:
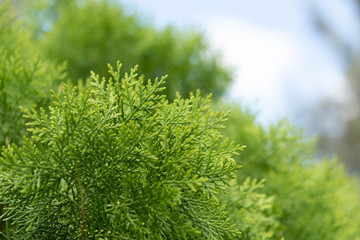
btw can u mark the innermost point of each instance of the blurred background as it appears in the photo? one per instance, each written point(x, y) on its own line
point(291, 59)
point(283, 59)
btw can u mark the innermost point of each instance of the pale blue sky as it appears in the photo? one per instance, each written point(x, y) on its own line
point(281, 61)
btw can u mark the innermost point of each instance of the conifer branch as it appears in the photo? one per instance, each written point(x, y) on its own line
point(133, 165)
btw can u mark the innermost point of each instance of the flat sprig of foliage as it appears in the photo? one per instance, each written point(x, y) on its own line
point(118, 161)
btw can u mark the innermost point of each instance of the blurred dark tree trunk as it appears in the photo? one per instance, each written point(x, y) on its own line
point(344, 116)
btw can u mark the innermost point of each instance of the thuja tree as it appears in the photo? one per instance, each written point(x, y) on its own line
point(252, 211)
point(25, 78)
point(312, 200)
point(87, 33)
point(119, 162)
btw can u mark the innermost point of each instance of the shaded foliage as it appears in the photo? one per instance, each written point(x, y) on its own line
point(88, 34)
point(25, 78)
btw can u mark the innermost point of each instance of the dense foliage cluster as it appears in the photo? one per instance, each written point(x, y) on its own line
point(113, 159)
point(121, 161)
point(252, 211)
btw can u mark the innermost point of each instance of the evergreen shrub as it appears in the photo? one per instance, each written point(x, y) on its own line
point(87, 34)
point(312, 199)
point(25, 77)
point(252, 211)
point(119, 162)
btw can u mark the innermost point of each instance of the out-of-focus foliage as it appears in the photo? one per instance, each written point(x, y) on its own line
point(119, 162)
point(251, 211)
point(25, 78)
point(87, 34)
point(315, 200)
point(337, 121)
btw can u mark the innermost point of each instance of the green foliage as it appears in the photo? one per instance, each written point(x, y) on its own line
point(324, 199)
point(89, 33)
point(316, 200)
point(251, 211)
point(25, 78)
point(119, 162)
